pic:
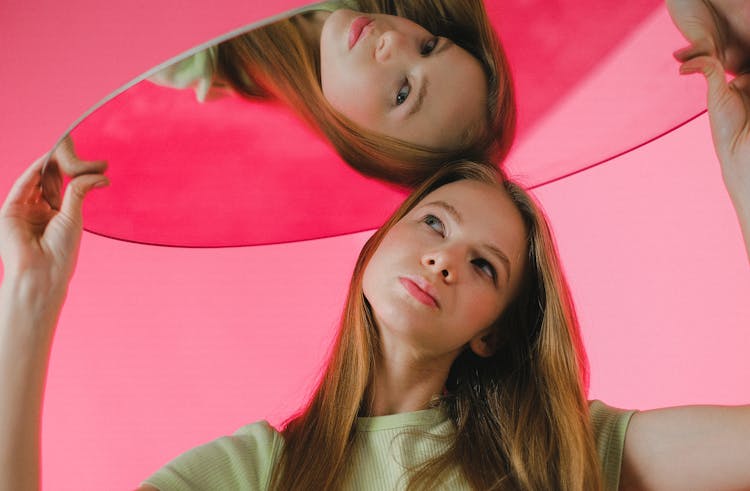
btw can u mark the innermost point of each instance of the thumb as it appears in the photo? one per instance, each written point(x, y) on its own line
point(703, 47)
point(76, 191)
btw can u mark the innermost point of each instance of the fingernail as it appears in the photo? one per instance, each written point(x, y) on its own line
point(685, 70)
point(102, 184)
point(682, 52)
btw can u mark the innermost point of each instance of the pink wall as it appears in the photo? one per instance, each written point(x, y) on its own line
point(160, 349)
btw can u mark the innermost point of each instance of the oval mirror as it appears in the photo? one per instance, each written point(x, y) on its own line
point(186, 172)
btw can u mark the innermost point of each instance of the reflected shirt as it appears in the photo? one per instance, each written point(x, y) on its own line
point(198, 71)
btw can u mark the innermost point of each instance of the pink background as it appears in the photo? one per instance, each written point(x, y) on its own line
point(160, 349)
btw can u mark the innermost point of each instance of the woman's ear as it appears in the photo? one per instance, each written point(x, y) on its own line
point(484, 344)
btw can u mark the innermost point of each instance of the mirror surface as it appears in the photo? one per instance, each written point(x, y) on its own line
point(230, 171)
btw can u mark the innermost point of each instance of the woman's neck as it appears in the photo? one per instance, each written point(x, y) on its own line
point(403, 383)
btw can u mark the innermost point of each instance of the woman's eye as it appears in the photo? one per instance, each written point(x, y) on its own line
point(434, 223)
point(403, 93)
point(429, 46)
point(485, 267)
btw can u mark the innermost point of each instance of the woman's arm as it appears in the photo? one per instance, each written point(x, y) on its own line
point(729, 115)
point(719, 35)
point(702, 447)
point(685, 448)
point(39, 238)
point(718, 32)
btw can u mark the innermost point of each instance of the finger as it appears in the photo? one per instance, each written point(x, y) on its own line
point(684, 54)
point(76, 191)
point(26, 184)
point(71, 164)
point(77, 167)
point(699, 48)
point(52, 184)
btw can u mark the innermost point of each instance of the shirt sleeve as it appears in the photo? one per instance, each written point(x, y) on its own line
point(195, 72)
point(609, 425)
point(241, 462)
point(199, 71)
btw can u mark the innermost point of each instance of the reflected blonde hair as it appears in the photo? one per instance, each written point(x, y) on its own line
point(521, 415)
point(276, 62)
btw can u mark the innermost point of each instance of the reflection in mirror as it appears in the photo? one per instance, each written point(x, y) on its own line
point(228, 172)
point(192, 164)
point(395, 99)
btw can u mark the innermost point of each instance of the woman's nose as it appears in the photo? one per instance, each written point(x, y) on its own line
point(388, 44)
point(441, 263)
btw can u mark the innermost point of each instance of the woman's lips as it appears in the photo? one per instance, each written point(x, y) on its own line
point(419, 292)
point(355, 30)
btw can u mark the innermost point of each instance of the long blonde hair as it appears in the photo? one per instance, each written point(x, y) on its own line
point(521, 416)
point(276, 62)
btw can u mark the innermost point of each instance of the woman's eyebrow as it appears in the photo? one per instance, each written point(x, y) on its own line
point(496, 251)
point(452, 211)
point(420, 97)
point(446, 44)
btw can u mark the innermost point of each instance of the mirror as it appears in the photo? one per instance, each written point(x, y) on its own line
point(187, 173)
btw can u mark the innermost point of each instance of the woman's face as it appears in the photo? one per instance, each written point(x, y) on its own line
point(445, 272)
point(391, 76)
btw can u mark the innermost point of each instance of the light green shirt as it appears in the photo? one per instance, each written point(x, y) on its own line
point(383, 449)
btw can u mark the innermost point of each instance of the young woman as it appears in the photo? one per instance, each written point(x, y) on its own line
point(458, 353)
point(458, 363)
point(399, 88)
point(458, 334)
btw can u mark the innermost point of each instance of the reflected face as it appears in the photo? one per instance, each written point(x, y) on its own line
point(391, 76)
point(445, 272)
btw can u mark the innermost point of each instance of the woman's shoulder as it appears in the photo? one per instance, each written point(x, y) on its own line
point(599, 409)
point(260, 430)
point(242, 460)
point(608, 422)
point(609, 425)
point(259, 438)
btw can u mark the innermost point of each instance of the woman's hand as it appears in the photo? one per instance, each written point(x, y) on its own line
point(718, 28)
point(39, 238)
point(729, 114)
point(703, 447)
point(39, 232)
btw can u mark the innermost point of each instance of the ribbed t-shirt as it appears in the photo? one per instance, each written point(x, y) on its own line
point(384, 448)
